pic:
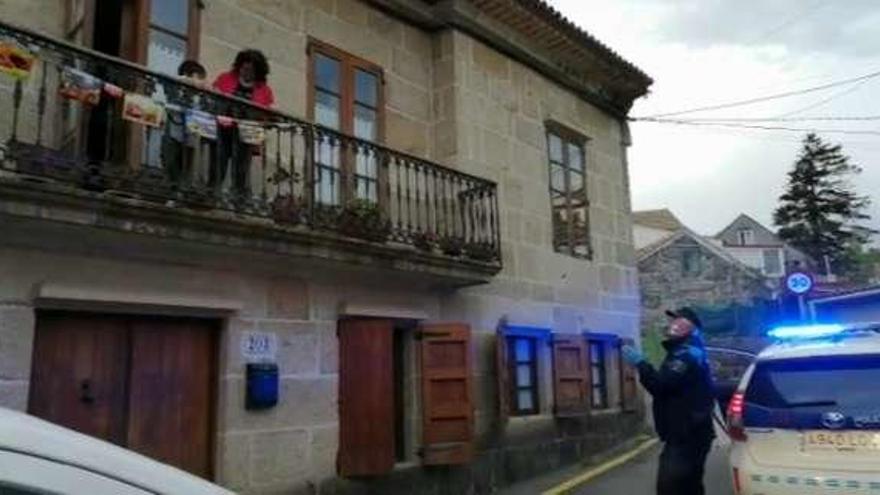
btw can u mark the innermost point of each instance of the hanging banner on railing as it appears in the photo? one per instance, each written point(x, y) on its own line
point(113, 90)
point(80, 86)
point(16, 60)
point(202, 124)
point(143, 110)
point(251, 132)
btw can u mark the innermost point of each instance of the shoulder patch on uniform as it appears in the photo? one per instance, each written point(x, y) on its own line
point(696, 352)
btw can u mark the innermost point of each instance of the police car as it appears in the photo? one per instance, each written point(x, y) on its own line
point(805, 418)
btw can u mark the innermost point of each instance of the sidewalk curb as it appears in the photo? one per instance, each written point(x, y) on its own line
point(569, 485)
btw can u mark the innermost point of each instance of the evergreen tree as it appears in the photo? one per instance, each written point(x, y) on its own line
point(819, 213)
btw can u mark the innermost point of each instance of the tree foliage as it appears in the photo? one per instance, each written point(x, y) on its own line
point(819, 212)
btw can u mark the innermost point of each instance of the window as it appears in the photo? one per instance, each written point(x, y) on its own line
point(772, 264)
point(598, 375)
point(524, 375)
point(568, 192)
point(746, 237)
point(170, 35)
point(346, 96)
point(806, 386)
point(691, 262)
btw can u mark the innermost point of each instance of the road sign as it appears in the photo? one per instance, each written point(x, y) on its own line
point(799, 283)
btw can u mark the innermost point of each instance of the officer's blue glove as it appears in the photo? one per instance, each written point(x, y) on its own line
point(631, 355)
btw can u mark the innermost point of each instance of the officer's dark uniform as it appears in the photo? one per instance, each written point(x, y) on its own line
point(684, 399)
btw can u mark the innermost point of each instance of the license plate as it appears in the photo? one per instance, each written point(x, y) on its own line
point(844, 441)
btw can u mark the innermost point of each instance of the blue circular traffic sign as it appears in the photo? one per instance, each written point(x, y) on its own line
point(799, 282)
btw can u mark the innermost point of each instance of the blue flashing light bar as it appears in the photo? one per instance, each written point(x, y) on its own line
point(806, 331)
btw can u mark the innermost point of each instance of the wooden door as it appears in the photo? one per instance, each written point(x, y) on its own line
point(143, 383)
point(79, 374)
point(571, 375)
point(366, 397)
point(172, 391)
point(447, 396)
point(629, 388)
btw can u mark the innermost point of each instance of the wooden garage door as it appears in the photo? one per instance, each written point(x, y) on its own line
point(141, 382)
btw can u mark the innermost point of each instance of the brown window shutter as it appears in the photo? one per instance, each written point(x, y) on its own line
point(502, 369)
point(447, 397)
point(366, 397)
point(571, 375)
point(629, 390)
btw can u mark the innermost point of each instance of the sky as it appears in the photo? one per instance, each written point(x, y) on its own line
point(706, 52)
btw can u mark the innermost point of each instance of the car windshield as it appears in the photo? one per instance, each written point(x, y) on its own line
point(849, 383)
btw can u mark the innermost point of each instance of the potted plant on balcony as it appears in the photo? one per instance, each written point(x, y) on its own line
point(425, 241)
point(481, 251)
point(363, 219)
point(451, 245)
point(288, 209)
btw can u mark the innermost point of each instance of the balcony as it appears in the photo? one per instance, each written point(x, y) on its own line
point(73, 147)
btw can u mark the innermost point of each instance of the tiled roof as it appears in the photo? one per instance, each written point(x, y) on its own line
point(554, 17)
point(662, 219)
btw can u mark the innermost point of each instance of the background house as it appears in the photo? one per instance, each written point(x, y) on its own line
point(434, 253)
point(686, 269)
point(760, 248)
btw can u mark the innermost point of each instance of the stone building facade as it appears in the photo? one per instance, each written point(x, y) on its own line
point(465, 88)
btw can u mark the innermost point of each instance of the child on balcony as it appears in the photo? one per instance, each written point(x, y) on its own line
point(177, 155)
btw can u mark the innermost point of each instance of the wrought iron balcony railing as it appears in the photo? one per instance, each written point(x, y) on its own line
point(87, 120)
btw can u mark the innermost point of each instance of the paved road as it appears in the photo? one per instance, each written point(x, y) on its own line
point(637, 477)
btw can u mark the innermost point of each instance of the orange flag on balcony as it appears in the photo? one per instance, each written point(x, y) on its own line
point(15, 60)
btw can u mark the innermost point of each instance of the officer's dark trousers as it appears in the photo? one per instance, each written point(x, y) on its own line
point(681, 468)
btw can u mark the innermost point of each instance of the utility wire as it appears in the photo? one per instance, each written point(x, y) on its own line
point(761, 127)
point(819, 103)
point(812, 9)
point(768, 97)
point(768, 119)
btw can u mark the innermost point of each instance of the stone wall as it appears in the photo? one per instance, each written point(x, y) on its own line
point(290, 448)
point(500, 111)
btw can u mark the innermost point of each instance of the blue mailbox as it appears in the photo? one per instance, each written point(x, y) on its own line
point(262, 386)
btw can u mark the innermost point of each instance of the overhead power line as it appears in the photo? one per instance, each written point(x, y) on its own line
point(734, 125)
point(829, 99)
point(760, 99)
point(811, 9)
point(858, 118)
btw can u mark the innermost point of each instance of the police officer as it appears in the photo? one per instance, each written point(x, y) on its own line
point(684, 398)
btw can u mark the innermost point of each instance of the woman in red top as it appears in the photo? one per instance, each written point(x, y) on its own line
point(246, 80)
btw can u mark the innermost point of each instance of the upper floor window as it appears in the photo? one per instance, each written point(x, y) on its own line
point(568, 191)
point(345, 94)
point(169, 35)
point(691, 262)
point(746, 237)
point(772, 262)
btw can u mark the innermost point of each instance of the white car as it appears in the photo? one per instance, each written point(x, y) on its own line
point(805, 418)
point(37, 457)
